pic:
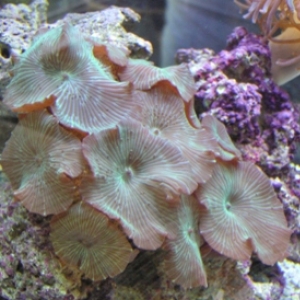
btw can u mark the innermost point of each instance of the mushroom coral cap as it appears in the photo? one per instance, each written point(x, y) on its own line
point(60, 65)
point(144, 75)
point(183, 262)
point(225, 148)
point(111, 56)
point(85, 238)
point(240, 213)
point(40, 159)
point(163, 112)
point(135, 174)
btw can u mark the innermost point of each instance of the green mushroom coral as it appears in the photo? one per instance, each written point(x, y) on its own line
point(240, 213)
point(142, 169)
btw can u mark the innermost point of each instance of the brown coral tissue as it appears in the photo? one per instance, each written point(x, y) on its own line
point(41, 159)
point(232, 214)
point(112, 149)
point(85, 238)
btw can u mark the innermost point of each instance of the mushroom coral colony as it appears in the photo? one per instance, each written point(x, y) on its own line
point(111, 147)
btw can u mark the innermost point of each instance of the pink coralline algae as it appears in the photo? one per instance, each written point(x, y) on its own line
point(235, 85)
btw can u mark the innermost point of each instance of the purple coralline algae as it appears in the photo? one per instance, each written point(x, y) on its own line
point(235, 85)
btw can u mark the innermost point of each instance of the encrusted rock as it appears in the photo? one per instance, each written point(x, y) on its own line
point(20, 23)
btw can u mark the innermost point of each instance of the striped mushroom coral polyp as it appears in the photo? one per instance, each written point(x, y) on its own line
point(60, 65)
point(183, 262)
point(163, 112)
point(144, 75)
point(88, 239)
point(240, 213)
point(142, 168)
point(41, 159)
point(132, 170)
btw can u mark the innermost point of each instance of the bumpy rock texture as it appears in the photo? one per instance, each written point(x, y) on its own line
point(236, 86)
